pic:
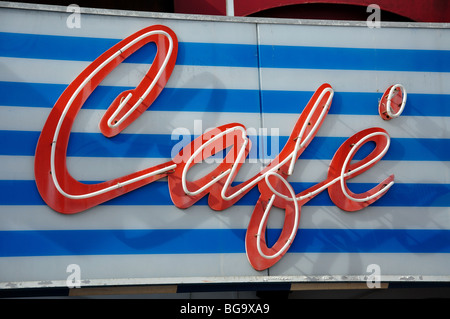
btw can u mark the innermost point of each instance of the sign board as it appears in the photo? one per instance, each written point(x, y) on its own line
point(158, 149)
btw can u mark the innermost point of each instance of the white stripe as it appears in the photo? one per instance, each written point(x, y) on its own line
point(162, 122)
point(128, 74)
point(420, 172)
point(244, 78)
point(202, 217)
point(166, 122)
point(355, 37)
point(101, 169)
point(347, 125)
point(150, 122)
point(331, 217)
point(354, 81)
point(309, 171)
point(124, 217)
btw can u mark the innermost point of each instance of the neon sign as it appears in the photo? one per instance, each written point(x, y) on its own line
point(66, 195)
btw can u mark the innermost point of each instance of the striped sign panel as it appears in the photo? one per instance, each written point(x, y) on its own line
point(258, 74)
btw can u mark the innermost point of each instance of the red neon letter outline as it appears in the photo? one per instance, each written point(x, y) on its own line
point(56, 186)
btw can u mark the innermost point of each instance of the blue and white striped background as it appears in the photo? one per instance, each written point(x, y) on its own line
point(260, 75)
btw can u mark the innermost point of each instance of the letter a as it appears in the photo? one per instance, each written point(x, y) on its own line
point(74, 279)
point(74, 20)
point(373, 21)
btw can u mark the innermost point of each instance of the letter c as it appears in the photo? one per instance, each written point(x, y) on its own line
point(56, 186)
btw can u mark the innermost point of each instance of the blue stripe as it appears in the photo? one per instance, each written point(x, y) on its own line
point(38, 46)
point(368, 241)
point(210, 241)
point(170, 99)
point(225, 100)
point(24, 192)
point(401, 149)
point(23, 143)
point(301, 57)
point(241, 55)
point(355, 103)
point(117, 242)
